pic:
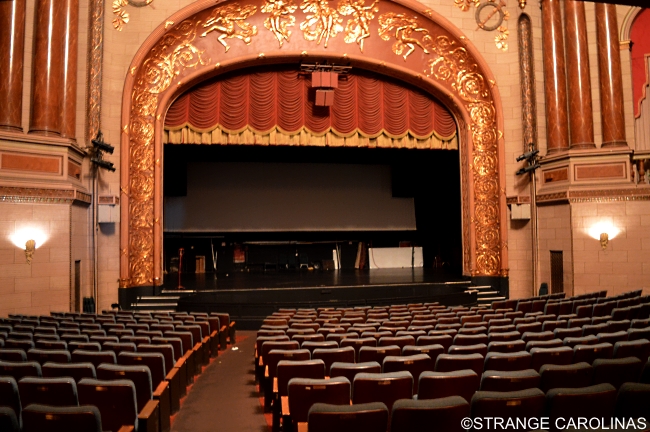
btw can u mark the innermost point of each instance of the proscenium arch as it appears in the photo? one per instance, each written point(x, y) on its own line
point(443, 62)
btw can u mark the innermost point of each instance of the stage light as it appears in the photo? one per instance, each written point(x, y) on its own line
point(103, 164)
point(527, 169)
point(100, 145)
point(528, 155)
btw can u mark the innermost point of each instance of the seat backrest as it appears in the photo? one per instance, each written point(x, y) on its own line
point(116, 401)
point(48, 391)
point(9, 395)
point(19, 370)
point(510, 380)
point(507, 361)
point(304, 392)
point(46, 355)
point(433, 385)
point(369, 417)
point(275, 356)
point(452, 362)
point(139, 374)
point(154, 361)
point(527, 403)
point(267, 346)
point(96, 358)
point(77, 371)
point(382, 387)
point(85, 418)
point(13, 354)
point(567, 376)
point(633, 401)
point(288, 369)
point(446, 414)
point(639, 348)
point(166, 350)
point(617, 371)
point(8, 420)
point(331, 355)
point(593, 401)
point(589, 353)
point(415, 364)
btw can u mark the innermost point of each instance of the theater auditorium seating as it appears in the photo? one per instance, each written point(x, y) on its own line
point(117, 371)
point(412, 362)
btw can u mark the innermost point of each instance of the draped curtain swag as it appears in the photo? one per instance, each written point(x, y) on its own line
point(277, 107)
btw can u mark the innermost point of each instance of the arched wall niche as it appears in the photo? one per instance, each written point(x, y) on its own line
point(431, 54)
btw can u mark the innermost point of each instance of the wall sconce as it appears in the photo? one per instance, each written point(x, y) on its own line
point(30, 247)
point(604, 239)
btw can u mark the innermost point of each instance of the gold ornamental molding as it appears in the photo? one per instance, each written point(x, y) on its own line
point(596, 196)
point(42, 195)
point(94, 68)
point(396, 38)
point(122, 17)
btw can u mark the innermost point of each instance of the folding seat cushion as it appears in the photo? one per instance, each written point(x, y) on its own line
point(468, 349)
point(368, 417)
point(555, 356)
point(566, 376)
point(463, 339)
point(639, 348)
point(13, 354)
point(77, 371)
point(589, 353)
point(452, 362)
point(19, 370)
point(115, 399)
point(94, 357)
point(415, 364)
point(589, 402)
point(507, 381)
point(638, 333)
point(553, 343)
point(445, 340)
point(8, 420)
point(507, 361)
point(48, 391)
point(85, 418)
point(575, 341)
point(633, 401)
point(506, 346)
point(9, 395)
point(331, 355)
point(43, 356)
point(617, 371)
point(563, 333)
point(527, 403)
point(433, 385)
point(377, 354)
point(446, 414)
point(504, 336)
point(311, 345)
point(139, 374)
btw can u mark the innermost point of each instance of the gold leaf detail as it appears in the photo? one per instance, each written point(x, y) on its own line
point(280, 18)
point(357, 28)
point(402, 28)
point(230, 21)
point(168, 24)
point(322, 22)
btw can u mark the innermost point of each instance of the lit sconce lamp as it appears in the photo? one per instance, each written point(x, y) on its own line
point(603, 231)
point(604, 239)
point(29, 239)
point(30, 247)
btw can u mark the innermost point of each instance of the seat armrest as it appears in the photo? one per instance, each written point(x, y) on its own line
point(161, 394)
point(173, 378)
point(149, 417)
point(302, 427)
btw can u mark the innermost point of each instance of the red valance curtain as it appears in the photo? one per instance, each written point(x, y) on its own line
point(283, 101)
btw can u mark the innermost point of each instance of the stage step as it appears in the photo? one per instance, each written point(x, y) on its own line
point(164, 302)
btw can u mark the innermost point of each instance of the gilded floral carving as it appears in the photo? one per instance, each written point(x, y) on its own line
point(357, 28)
point(321, 23)
point(402, 28)
point(230, 21)
point(280, 19)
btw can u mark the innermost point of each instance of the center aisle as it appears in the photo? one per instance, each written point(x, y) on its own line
point(223, 397)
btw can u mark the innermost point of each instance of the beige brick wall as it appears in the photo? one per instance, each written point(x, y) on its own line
point(554, 229)
point(625, 264)
point(44, 285)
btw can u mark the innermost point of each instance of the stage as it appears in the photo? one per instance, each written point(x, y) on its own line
point(251, 296)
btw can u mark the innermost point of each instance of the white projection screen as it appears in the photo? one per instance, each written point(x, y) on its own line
point(261, 197)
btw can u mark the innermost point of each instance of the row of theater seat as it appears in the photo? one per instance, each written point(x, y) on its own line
point(125, 373)
point(318, 331)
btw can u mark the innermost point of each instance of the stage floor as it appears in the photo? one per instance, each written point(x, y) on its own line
point(308, 279)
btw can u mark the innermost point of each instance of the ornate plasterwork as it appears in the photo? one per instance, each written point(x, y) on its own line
point(94, 67)
point(42, 195)
point(444, 60)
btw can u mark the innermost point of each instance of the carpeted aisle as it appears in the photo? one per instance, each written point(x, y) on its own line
point(223, 397)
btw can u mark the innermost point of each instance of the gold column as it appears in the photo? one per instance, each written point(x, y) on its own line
point(47, 68)
point(612, 109)
point(577, 58)
point(12, 48)
point(554, 78)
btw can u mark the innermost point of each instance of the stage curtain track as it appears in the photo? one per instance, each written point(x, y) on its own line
point(277, 108)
